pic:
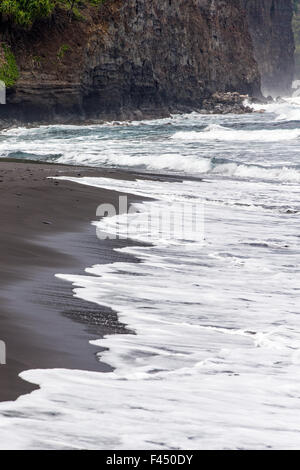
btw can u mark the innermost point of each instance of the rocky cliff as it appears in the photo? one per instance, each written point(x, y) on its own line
point(296, 30)
point(270, 24)
point(130, 59)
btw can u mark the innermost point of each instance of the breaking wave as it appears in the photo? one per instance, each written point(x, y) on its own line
point(217, 132)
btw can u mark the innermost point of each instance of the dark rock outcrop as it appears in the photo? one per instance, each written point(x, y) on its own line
point(226, 103)
point(133, 59)
point(270, 24)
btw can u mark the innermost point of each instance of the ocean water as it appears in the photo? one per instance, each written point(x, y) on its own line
point(214, 362)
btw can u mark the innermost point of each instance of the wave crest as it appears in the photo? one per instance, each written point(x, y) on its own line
point(215, 132)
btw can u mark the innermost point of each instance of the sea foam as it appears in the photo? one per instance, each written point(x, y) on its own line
point(214, 359)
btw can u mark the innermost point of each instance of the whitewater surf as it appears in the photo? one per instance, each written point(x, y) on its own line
point(214, 361)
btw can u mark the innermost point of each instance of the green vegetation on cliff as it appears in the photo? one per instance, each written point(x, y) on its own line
point(296, 5)
point(26, 12)
point(9, 72)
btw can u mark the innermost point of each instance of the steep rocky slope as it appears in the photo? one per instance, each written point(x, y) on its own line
point(270, 24)
point(131, 59)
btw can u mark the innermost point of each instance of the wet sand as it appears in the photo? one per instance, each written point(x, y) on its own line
point(46, 229)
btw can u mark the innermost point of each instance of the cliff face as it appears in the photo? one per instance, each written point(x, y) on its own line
point(270, 24)
point(171, 53)
point(132, 59)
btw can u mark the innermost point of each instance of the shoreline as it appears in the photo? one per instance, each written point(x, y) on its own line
point(46, 229)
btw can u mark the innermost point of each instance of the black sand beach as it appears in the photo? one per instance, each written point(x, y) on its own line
point(46, 229)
